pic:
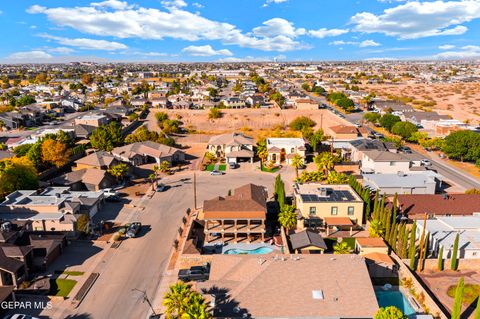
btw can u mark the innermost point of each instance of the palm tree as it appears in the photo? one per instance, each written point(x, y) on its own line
point(119, 171)
point(165, 167)
point(297, 162)
point(375, 229)
point(176, 299)
point(262, 152)
point(341, 248)
point(325, 161)
point(196, 308)
point(152, 178)
point(336, 178)
point(287, 217)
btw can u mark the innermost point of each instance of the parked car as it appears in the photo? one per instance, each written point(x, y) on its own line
point(19, 316)
point(426, 162)
point(162, 187)
point(232, 165)
point(215, 172)
point(107, 192)
point(378, 135)
point(195, 273)
point(406, 150)
point(113, 198)
point(133, 229)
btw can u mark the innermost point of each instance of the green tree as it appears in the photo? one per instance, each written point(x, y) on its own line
point(440, 259)
point(462, 145)
point(83, 223)
point(297, 162)
point(375, 229)
point(55, 152)
point(214, 113)
point(372, 117)
point(176, 300)
point(106, 137)
point(306, 177)
point(280, 191)
point(336, 178)
point(412, 250)
point(325, 162)
point(341, 248)
point(262, 151)
point(287, 217)
point(390, 313)
point(17, 173)
point(454, 261)
point(388, 121)
point(119, 171)
point(404, 129)
point(165, 167)
point(196, 307)
point(302, 122)
point(457, 305)
point(316, 138)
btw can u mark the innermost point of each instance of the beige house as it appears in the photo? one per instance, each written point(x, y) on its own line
point(92, 120)
point(283, 150)
point(321, 205)
point(235, 218)
point(232, 147)
point(147, 152)
point(307, 242)
point(100, 160)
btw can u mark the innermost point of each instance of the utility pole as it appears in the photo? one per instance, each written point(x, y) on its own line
point(145, 299)
point(194, 191)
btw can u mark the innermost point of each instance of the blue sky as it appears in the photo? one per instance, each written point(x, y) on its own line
point(237, 30)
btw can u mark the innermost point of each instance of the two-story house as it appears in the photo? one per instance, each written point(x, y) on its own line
point(283, 149)
point(232, 146)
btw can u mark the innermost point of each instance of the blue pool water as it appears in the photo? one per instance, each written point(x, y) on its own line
point(257, 251)
point(394, 298)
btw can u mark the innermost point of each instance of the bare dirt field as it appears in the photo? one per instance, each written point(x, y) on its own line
point(250, 121)
point(459, 100)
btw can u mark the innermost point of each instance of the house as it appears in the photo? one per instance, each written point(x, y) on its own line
point(100, 160)
point(391, 107)
point(367, 245)
point(238, 217)
point(403, 183)
point(310, 286)
point(95, 120)
point(416, 206)
point(232, 147)
point(441, 232)
point(51, 209)
point(381, 162)
point(91, 179)
point(327, 205)
point(306, 104)
point(146, 152)
point(357, 147)
point(12, 271)
point(46, 248)
point(233, 103)
point(307, 242)
point(427, 120)
point(343, 132)
point(255, 100)
point(283, 149)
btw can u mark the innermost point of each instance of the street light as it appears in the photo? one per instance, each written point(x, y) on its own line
point(145, 299)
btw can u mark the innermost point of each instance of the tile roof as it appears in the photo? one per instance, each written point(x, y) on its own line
point(99, 159)
point(145, 148)
point(231, 139)
point(451, 204)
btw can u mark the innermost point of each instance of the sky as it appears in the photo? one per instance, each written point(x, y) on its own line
point(237, 30)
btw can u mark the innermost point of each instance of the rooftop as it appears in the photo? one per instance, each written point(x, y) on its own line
point(316, 193)
point(451, 204)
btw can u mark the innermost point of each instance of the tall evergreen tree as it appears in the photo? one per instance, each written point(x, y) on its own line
point(457, 305)
point(405, 242)
point(477, 311)
point(375, 206)
point(440, 259)
point(412, 250)
point(454, 261)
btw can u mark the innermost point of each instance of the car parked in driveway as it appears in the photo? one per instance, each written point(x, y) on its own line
point(406, 150)
point(426, 162)
point(195, 273)
point(232, 165)
point(162, 187)
point(133, 229)
point(216, 173)
point(107, 192)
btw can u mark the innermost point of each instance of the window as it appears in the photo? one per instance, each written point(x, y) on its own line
point(334, 210)
point(351, 210)
point(313, 211)
point(292, 150)
point(392, 163)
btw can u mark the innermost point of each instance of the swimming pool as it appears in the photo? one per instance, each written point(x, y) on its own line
point(394, 298)
point(257, 251)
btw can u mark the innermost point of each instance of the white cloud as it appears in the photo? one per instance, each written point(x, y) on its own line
point(416, 19)
point(278, 26)
point(465, 52)
point(114, 4)
point(362, 44)
point(152, 23)
point(29, 56)
point(205, 50)
point(61, 50)
point(324, 32)
point(172, 4)
point(87, 44)
point(446, 47)
point(273, 1)
point(197, 5)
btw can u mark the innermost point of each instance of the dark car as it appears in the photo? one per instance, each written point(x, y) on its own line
point(162, 187)
point(232, 165)
point(114, 198)
point(406, 150)
point(133, 229)
point(195, 273)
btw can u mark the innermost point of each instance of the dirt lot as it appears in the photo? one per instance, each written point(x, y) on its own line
point(250, 121)
point(460, 100)
point(439, 282)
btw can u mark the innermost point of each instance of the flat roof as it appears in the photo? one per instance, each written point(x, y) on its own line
point(317, 193)
point(299, 286)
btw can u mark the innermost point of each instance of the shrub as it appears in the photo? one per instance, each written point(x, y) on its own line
point(214, 113)
point(302, 122)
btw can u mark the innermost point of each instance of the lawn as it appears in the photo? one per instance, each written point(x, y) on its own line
point(61, 287)
point(221, 167)
point(270, 170)
point(470, 293)
point(73, 273)
point(332, 241)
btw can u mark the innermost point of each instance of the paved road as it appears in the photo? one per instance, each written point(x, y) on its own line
point(140, 262)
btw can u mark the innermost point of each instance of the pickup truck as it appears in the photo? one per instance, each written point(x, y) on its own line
point(195, 273)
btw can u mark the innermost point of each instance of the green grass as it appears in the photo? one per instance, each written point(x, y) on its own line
point(73, 273)
point(221, 167)
point(61, 287)
point(470, 293)
point(270, 170)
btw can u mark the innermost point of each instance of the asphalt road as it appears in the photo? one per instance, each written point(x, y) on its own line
point(139, 263)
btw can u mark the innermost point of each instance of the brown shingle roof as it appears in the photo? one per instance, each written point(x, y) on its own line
point(344, 129)
point(248, 201)
point(231, 139)
point(99, 159)
point(451, 204)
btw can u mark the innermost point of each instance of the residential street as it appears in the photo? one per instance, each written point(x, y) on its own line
point(139, 263)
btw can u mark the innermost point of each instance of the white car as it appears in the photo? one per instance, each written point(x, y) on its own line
point(426, 162)
point(109, 192)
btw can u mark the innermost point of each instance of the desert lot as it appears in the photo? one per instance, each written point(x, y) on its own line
point(459, 100)
point(251, 121)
